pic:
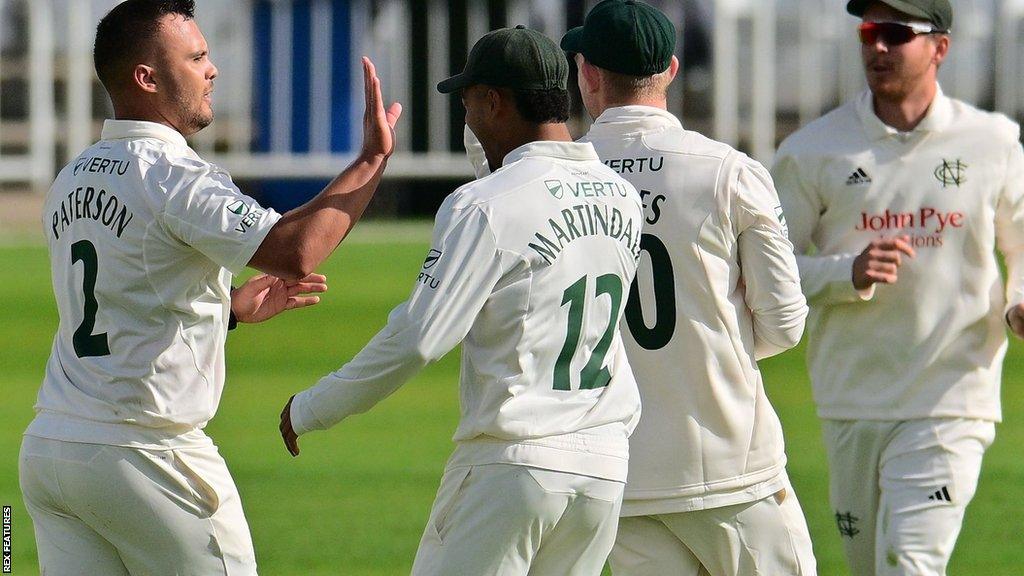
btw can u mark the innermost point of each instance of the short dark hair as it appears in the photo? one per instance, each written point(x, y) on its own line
point(542, 106)
point(125, 33)
point(622, 87)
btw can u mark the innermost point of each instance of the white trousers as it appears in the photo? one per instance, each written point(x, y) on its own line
point(508, 520)
point(899, 490)
point(766, 537)
point(114, 511)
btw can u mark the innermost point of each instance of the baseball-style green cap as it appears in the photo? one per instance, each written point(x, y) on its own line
point(938, 12)
point(624, 36)
point(517, 58)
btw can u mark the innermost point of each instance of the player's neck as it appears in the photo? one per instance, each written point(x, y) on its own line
point(524, 134)
point(661, 103)
point(905, 113)
point(126, 111)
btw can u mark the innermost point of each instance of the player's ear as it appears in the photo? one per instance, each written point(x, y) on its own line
point(589, 75)
point(494, 101)
point(144, 77)
point(941, 49)
point(673, 68)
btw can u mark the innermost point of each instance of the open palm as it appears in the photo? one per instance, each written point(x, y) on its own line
point(378, 123)
point(264, 296)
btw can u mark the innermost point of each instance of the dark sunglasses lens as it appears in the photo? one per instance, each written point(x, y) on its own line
point(891, 33)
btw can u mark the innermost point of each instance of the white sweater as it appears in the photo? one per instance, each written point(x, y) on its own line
point(717, 288)
point(932, 344)
point(529, 268)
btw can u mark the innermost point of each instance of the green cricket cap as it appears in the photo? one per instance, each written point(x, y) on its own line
point(624, 36)
point(517, 58)
point(938, 12)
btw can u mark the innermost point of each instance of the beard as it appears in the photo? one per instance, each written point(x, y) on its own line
point(200, 118)
point(194, 113)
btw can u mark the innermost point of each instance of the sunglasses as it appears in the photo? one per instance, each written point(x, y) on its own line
point(893, 33)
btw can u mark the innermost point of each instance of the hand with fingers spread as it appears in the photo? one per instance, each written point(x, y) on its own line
point(291, 439)
point(264, 296)
point(880, 261)
point(378, 123)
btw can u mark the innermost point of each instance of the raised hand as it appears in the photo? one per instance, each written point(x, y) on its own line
point(264, 296)
point(880, 262)
point(378, 123)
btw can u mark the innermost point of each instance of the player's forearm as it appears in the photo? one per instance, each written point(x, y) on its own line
point(773, 291)
point(307, 235)
point(1014, 260)
point(829, 279)
point(389, 360)
point(780, 328)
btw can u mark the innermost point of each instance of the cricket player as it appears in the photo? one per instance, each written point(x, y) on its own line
point(144, 236)
point(529, 268)
point(717, 290)
point(896, 202)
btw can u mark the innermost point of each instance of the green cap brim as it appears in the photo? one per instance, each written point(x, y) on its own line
point(453, 84)
point(573, 41)
point(857, 8)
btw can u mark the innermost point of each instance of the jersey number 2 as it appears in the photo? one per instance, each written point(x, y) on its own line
point(86, 343)
point(594, 373)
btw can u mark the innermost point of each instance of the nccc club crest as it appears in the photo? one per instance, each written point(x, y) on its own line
point(555, 187)
point(951, 172)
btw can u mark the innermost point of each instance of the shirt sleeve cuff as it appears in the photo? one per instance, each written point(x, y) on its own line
point(840, 287)
point(258, 236)
point(303, 418)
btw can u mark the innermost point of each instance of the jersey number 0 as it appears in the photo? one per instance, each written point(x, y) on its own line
point(656, 337)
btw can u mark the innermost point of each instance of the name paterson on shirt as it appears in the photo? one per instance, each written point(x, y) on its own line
point(89, 202)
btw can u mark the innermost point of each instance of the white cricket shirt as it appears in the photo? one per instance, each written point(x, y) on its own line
point(717, 288)
point(932, 344)
point(143, 238)
point(530, 269)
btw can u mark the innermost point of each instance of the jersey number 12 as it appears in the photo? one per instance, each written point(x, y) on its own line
point(594, 374)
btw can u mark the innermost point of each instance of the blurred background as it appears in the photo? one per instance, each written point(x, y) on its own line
point(288, 99)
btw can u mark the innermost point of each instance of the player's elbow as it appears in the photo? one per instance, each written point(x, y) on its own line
point(304, 264)
point(778, 332)
point(286, 268)
point(285, 256)
point(299, 262)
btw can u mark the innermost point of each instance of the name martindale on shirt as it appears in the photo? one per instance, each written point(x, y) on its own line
point(585, 219)
point(930, 220)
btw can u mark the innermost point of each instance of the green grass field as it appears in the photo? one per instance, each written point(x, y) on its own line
point(355, 501)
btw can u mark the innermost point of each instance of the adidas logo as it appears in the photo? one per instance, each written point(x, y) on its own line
point(941, 495)
point(859, 176)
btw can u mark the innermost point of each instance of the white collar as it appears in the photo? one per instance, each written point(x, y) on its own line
point(938, 117)
point(119, 129)
point(546, 148)
point(641, 117)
